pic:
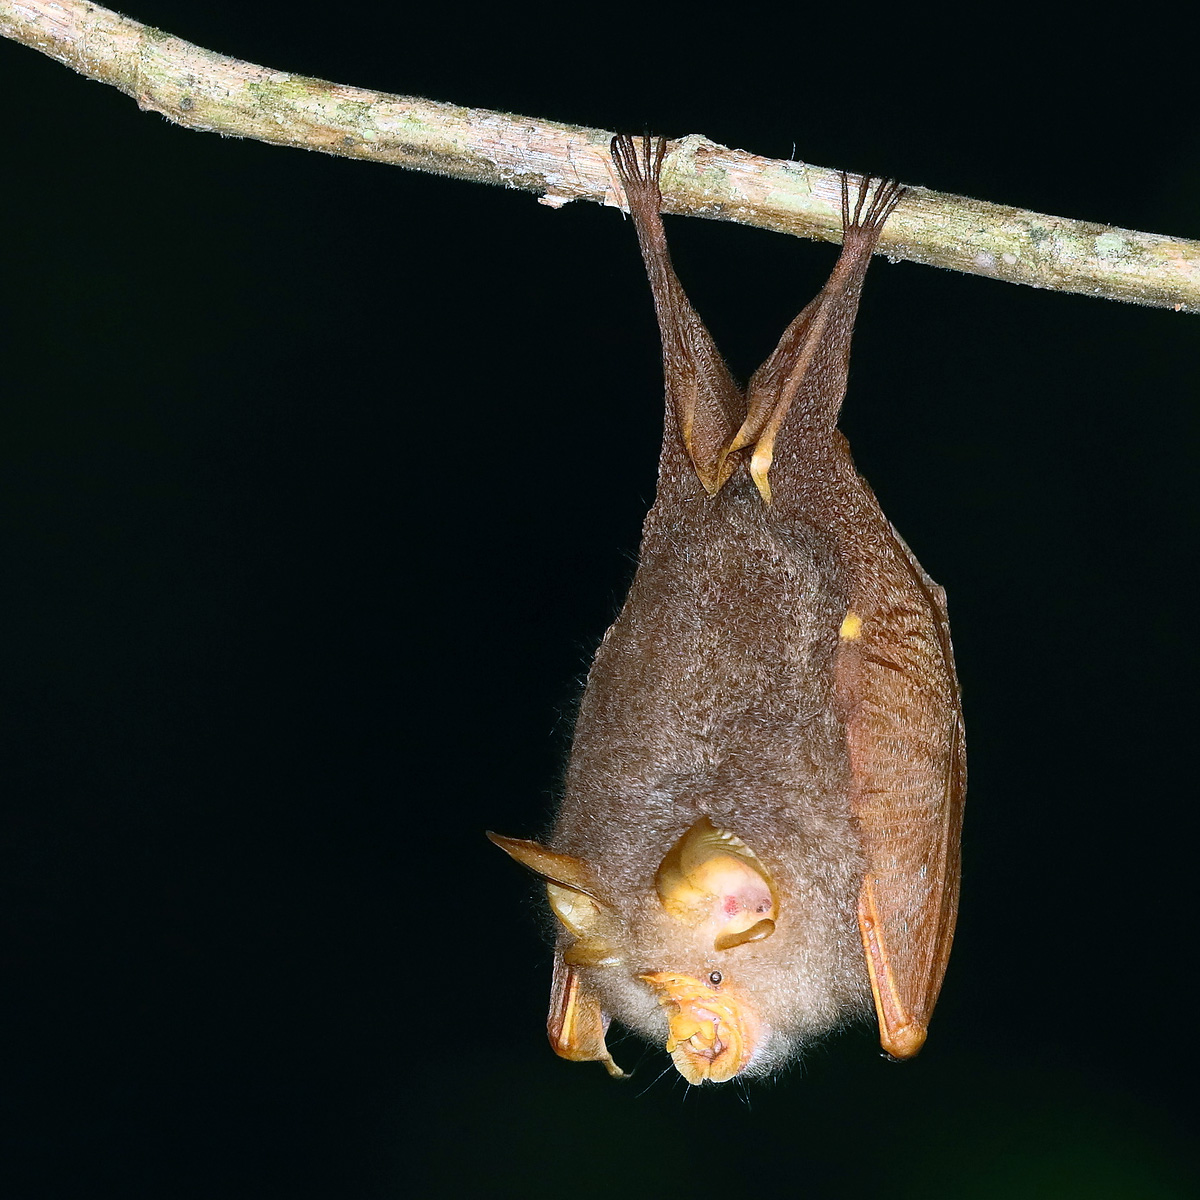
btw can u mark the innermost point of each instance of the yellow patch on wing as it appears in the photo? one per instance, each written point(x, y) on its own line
point(851, 627)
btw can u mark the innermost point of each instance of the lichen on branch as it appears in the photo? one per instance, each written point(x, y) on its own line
point(202, 90)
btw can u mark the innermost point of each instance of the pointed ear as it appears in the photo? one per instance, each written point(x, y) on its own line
point(563, 869)
point(583, 917)
point(572, 890)
point(710, 876)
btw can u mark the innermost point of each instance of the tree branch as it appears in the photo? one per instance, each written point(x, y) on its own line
point(201, 90)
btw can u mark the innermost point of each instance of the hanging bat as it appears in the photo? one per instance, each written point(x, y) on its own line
point(759, 832)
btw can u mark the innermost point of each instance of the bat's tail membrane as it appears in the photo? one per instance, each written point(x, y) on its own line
point(807, 370)
point(706, 405)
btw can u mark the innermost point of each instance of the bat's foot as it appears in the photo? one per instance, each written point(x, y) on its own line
point(639, 167)
point(867, 217)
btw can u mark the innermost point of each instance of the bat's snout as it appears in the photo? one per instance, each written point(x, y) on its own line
point(711, 1033)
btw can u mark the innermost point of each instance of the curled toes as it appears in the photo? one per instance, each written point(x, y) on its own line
point(887, 194)
point(639, 165)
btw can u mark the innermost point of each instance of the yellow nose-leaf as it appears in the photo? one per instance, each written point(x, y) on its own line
point(711, 1033)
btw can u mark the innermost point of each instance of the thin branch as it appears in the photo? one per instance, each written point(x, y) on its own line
point(202, 90)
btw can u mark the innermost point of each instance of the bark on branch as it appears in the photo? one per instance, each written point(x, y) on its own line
point(203, 90)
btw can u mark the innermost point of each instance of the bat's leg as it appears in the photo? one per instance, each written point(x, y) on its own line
point(708, 405)
point(807, 370)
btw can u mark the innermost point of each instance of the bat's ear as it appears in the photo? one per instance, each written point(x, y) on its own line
point(563, 869)
point(574, 895)
point(576, 1023)
point(711, 877)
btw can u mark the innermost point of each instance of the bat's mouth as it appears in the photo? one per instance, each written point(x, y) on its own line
point(711, 1033)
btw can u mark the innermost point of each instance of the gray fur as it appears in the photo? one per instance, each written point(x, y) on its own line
point(712, 694)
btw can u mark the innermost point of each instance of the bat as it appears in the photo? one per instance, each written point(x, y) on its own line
point(759, 833)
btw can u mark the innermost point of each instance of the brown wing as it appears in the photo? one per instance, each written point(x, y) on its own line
point(576, 1024)
point(907, 754)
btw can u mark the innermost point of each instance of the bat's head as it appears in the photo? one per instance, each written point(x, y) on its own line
point(693, 959)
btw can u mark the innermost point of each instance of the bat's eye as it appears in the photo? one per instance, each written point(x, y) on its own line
point(715, 978)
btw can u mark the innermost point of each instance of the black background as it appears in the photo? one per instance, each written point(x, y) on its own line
point(323, 479)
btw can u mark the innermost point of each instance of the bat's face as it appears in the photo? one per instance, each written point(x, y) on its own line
point(711, 957)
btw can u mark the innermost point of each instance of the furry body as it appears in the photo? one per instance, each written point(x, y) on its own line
point(713, 694)
point(759, 831)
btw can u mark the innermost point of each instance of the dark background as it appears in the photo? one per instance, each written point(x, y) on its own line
point(323, 479)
